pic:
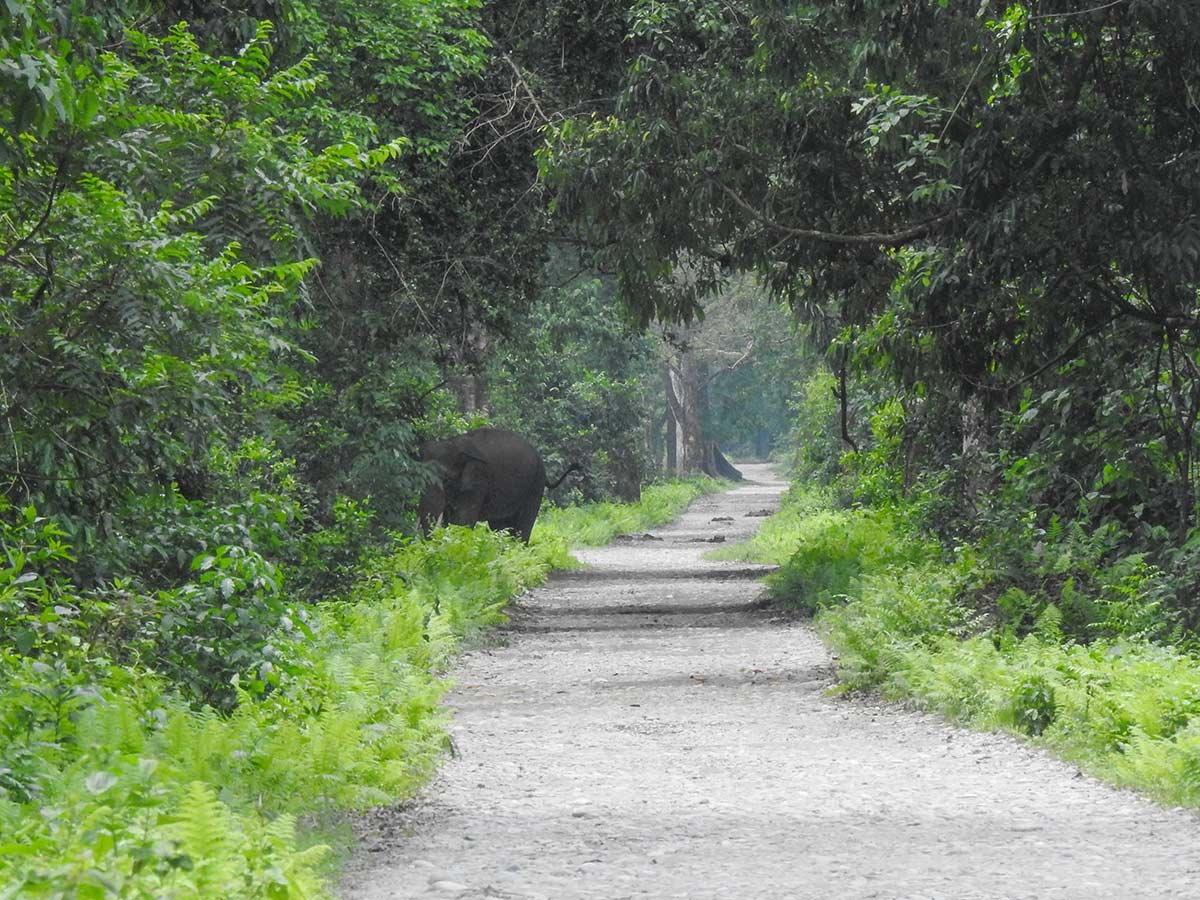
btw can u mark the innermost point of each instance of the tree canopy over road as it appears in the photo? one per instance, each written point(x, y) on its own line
point(941, 255)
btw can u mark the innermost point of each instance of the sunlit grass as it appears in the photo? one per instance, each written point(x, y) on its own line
point(594, 524)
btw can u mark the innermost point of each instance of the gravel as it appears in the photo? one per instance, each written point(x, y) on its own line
point(648, 728)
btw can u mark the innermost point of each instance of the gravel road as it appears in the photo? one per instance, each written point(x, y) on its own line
point(646, 729)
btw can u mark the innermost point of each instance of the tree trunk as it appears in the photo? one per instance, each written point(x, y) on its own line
point(716, 465)
point(762, 444)
point(684, 399)
point(464, 366)
point(975, 445)
point(672, 426)
point(471, 392)
point(654, 445)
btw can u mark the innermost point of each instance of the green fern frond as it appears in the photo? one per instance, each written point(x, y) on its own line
point(1048, 626)
point(206, 832)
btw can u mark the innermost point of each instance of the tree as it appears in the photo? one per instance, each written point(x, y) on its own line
point(577, 382)
point(725, 379)
point(149, 256)
point(987, 198)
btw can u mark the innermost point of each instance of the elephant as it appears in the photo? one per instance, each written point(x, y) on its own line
point(487, 475)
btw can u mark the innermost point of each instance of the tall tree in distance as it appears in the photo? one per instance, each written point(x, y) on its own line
point(725, 379)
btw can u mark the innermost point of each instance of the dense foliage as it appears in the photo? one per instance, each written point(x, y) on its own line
point(985, 216)
point(351, 720)
point(252, 253)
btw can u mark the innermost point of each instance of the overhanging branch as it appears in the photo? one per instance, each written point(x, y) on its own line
point(871, 239)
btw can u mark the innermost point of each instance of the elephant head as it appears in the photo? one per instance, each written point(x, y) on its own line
point(487, 475)
point(456, 496)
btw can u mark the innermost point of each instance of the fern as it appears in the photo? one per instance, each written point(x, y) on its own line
point(299, 866)
point(206, 833)
point(1048, 626)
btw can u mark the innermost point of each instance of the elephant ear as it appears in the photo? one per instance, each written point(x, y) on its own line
point(472, 473)
point(459, 469)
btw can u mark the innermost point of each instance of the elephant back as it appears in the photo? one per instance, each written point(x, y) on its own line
point(515, 469)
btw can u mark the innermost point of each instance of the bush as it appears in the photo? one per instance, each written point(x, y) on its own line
point(1034, 704)
point(888, 614)
point(230, 620)
point(835, 548)
point(328, 557)
point(1099, 590)
point(817, 443)
point(345, 716)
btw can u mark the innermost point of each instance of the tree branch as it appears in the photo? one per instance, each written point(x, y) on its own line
point(871, 239)
point(55, 188)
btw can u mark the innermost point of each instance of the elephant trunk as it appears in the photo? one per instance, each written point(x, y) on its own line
point(431, 508)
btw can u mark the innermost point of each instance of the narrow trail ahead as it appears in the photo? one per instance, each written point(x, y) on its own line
point(648, 730)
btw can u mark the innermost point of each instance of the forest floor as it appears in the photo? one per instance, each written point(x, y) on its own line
point(648, 728)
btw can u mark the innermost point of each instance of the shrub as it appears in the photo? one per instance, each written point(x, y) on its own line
point(1099, 591)
point(835, 548)
point(1034, 704)
point(230, 620)
point(327, 558)
point(888, 614)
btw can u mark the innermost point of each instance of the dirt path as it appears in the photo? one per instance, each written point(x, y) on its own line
point(648, 731)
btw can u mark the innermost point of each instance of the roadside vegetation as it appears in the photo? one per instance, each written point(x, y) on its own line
point(117, 780)
point(1075, 646)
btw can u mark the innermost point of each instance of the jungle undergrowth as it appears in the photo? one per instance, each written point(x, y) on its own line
point(914, 620)
point(113, 782)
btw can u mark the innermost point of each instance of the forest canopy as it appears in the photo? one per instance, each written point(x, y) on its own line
point(940, 255)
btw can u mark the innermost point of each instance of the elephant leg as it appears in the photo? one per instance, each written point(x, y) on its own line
point(470, 494)
point(523, 524)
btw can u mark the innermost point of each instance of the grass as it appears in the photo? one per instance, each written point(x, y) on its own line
point(1126, 710)
point(111, 785)
point(595, 524)
point(779, 536)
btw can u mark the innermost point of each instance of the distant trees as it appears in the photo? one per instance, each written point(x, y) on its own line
point(727, 379)
point(989, 213)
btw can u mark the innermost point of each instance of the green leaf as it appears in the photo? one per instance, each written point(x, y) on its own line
point(99, 782)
